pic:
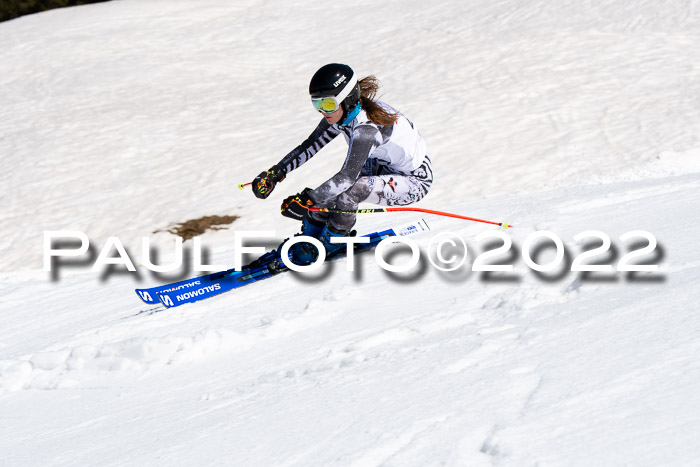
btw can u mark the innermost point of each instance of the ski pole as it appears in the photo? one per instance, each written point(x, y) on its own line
point(243, 185)
point(505, 225)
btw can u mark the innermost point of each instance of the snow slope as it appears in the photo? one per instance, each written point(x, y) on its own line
point(121, 118)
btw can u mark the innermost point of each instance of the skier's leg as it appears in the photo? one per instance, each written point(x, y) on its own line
point(390, 189)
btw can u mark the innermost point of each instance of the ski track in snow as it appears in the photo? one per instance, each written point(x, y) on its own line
point(120, 118)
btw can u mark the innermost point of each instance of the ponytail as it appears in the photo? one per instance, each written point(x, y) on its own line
point(369, 86)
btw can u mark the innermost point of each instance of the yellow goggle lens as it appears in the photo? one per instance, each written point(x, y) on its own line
point(325, 104)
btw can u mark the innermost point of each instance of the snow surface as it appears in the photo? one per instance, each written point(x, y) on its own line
point(118, 119)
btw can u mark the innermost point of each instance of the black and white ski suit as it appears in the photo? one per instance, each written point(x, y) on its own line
point(386, 165)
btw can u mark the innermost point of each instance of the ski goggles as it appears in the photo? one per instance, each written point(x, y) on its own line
point(329, 104)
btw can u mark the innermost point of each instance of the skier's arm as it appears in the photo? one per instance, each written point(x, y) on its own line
point(322, 135)
point(266, 181)
point(365, 139)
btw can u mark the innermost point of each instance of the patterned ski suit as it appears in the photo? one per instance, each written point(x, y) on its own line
point(386, 165)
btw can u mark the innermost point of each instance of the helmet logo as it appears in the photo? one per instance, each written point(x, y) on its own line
point(339, 81)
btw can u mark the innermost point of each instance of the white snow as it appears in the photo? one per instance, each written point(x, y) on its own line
point(118, 119)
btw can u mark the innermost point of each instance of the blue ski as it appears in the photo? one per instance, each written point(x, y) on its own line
point(150, 295)
point(199, 288)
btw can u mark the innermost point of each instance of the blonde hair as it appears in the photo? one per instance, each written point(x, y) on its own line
point(369, 86)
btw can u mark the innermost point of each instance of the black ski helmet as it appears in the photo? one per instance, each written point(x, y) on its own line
point(337, 80)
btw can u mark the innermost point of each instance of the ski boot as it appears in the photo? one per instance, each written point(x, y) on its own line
point(300, 253)
point(305, 253)
point(312, 228)
point(333, 249)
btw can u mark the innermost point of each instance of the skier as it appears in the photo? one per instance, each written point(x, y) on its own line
point(386, 164)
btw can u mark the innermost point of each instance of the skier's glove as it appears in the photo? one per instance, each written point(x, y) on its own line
point(266, 181)
point(296, 206)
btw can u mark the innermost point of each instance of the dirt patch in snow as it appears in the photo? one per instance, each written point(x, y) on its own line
point(194, 227)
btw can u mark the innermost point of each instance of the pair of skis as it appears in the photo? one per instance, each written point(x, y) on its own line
point(199, 288)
